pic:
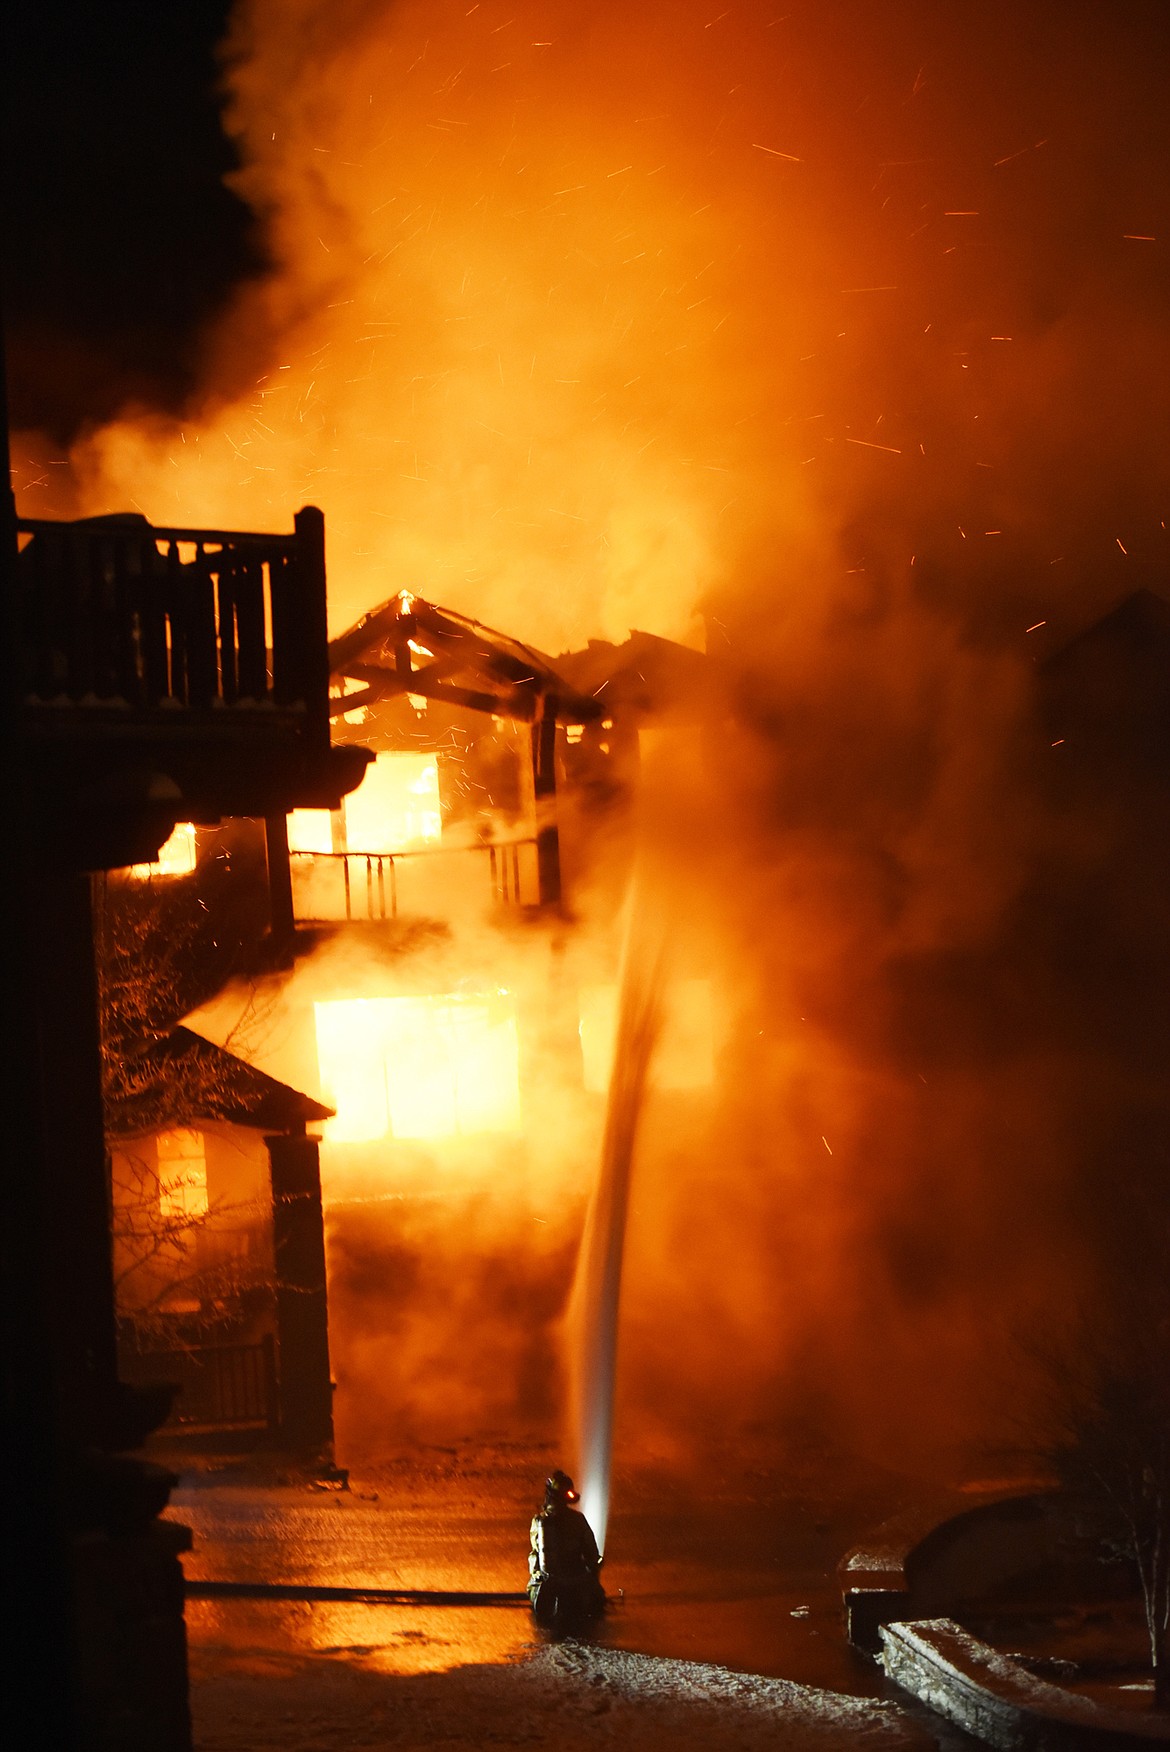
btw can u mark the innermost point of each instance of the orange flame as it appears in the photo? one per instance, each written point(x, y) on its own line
point(419, 1067)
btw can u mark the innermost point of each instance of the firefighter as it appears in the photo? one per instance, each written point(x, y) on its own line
point(563, 1560)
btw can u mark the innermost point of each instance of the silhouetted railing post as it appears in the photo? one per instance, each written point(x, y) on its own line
point(544, 777)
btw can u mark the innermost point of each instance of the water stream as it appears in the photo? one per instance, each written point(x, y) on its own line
point(593, 1308)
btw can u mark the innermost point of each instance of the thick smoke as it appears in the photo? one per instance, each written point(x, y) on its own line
point(842, 329)
point(580, 310)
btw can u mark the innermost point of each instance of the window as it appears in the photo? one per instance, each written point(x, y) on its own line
point(310, 830)
point(182, 1174)
point(394, 809)
point(419, 1067)
point(396, 806)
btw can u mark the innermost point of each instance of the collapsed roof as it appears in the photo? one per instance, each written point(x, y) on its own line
point(408, 646)
point(645, 676)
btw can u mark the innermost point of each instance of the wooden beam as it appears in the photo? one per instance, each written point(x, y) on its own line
point(339, 706)
point(387, 684)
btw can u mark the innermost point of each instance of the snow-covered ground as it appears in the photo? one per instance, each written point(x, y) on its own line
point(566, 1697)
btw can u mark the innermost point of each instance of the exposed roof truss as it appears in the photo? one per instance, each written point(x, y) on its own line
point(408, 646)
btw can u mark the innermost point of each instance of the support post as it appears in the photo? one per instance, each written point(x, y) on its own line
point(97, 1650)
point(544, 785)
point(281, 918)
point(305, 1389)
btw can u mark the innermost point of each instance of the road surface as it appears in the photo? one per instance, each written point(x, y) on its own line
point(725, 1628)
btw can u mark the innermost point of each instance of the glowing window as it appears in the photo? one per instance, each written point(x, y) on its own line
point(310, 830)
point(396, 806)
point(175, 858)
point(182, 1174)
point(685, 1055)
point(433, 1067)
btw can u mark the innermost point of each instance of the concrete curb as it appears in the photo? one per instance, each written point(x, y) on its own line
point(878, 1578)
point(999, 1701)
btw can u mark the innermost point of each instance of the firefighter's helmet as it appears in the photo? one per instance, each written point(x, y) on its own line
point(559, 1488)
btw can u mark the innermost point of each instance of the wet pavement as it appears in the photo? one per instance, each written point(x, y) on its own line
point(741, 1577)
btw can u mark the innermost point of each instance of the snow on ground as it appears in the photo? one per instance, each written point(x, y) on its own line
point(567, 1697)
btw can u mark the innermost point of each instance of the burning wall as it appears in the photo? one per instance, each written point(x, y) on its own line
point(846, 327)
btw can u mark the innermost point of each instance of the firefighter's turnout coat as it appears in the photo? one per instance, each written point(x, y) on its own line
point(563, 1555)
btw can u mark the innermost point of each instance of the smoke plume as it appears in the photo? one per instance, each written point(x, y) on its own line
point(837, 337)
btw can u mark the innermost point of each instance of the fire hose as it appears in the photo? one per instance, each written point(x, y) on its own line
point(212, 1590)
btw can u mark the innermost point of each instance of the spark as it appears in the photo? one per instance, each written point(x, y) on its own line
point(1020, 153)
point(1121, 545)
point(1057, 743)
point(845, 289)
point(1138, 237)
point(871, 446)
point(1035, 626)
point(827, 1145)
point(773, 152)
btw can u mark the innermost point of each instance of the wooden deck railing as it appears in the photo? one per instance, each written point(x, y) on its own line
point(153, 622)
point(221, 1386)
point(366, 885)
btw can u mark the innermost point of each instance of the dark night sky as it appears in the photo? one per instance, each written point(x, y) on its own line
point(122, 239)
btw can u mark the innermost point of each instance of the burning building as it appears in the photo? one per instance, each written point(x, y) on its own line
point(451, 996)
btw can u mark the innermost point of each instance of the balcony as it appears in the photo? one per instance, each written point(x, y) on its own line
point(167, 673)
point(445, 882)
